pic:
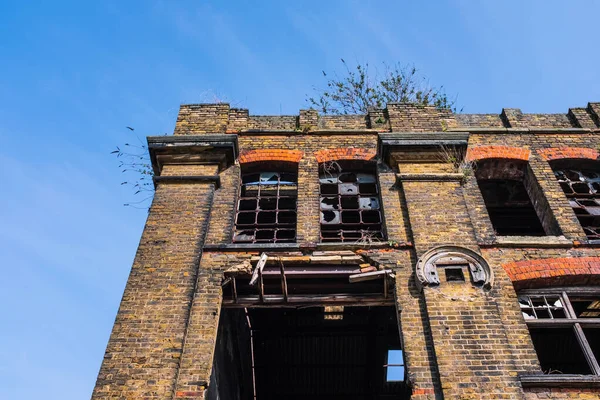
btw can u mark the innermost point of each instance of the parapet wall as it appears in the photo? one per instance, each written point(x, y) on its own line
point(221, 118)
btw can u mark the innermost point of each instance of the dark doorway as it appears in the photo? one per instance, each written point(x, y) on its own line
point(335, 352)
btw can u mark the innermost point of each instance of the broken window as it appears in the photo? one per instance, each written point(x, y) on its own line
point(503, 185)
point(581, 184)
point(350, 202)
point(300, 353)
point(564, 329)
point(266, 209)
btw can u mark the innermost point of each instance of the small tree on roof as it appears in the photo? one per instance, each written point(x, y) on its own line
point(359, 89)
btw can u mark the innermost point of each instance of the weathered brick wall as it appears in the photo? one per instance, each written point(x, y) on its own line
point(144, 350)
point(460, 341)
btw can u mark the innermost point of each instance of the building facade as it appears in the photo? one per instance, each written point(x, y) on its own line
point(409, 253)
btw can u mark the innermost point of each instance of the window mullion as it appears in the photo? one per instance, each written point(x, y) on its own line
point(570, 311)
point(587, 350)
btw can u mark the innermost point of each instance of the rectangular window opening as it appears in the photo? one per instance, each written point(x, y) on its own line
point(571, 343)
point(395, 366)
point(350, 205)
point(559, 351)
point(510, 209)
point(318, 352)
point(454, 274)
point(266, 210)
point(581, 185)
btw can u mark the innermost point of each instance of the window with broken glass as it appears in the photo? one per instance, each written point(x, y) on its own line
point(266, 209)
point(581, 185)
point(503, 185)
point(565, 328)
point(350, 203)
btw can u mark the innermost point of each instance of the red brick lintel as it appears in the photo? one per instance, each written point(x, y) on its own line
point(423, 391)
point(270, 155)
point(345, 154)
point(557, 153)
point(483, 152)
point(554, 268)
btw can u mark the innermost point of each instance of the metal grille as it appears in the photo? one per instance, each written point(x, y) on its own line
point(350, 207)
point(266, 209)
point(582, 189)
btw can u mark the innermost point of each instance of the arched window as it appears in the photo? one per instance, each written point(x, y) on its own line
point(507, 187)
point(266, 208)
point(349, 202)
point(580, 180)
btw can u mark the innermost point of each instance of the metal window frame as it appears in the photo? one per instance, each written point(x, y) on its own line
point(591, 232)
point(571, 319)
point(276, 226)
point(368, 231)
point(387, 364)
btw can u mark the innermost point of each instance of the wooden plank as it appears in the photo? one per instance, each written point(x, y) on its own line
point(258, 269)
point(234, 288)
point(284, 288)
point(367, 276)
point(587, 350)
point(299, 301)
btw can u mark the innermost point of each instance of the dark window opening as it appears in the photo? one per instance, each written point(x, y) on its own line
point(266, 211)
point(581, 185)
point(320, 352)
point(504, 191)
point(350, 203)
point(564, 330)
point(558, 351)
point(454, 274)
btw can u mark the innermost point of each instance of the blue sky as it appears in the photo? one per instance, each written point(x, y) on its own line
point(73, 74)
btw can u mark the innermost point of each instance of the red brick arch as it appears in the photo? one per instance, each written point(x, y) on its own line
point(350, 153)
point(483, 152)
point(558, 153)
point(554, 271)
point(248, 156)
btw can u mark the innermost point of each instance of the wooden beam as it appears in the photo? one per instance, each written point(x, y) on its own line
point(234, 288)
point(284, 288)
point(307, 300)
point(367, 276)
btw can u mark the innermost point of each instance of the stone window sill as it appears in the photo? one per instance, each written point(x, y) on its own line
point(253, 246)
point(530, 241)
point(562, 381)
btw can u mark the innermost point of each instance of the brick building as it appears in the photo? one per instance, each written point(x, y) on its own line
point(406, 253)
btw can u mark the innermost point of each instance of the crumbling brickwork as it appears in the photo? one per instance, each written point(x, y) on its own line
point(454, 280)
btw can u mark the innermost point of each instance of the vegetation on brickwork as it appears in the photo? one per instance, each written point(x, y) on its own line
point(361, 88)
point(457, 157)
point(354, 92)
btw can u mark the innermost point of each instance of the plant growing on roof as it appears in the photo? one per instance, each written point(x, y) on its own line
point(359, 88)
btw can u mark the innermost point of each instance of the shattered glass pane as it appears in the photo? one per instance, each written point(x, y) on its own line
point(348, 188)
point(349, 207)
point(369, 203)
point(365, 178)
point(581, 188)
point(329, 203)
point(269, 178)
point(330, 217)
point(262, 195)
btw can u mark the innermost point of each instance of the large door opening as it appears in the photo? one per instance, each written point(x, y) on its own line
point(313, 352)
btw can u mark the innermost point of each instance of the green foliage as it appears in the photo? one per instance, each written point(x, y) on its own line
point(359, 89)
